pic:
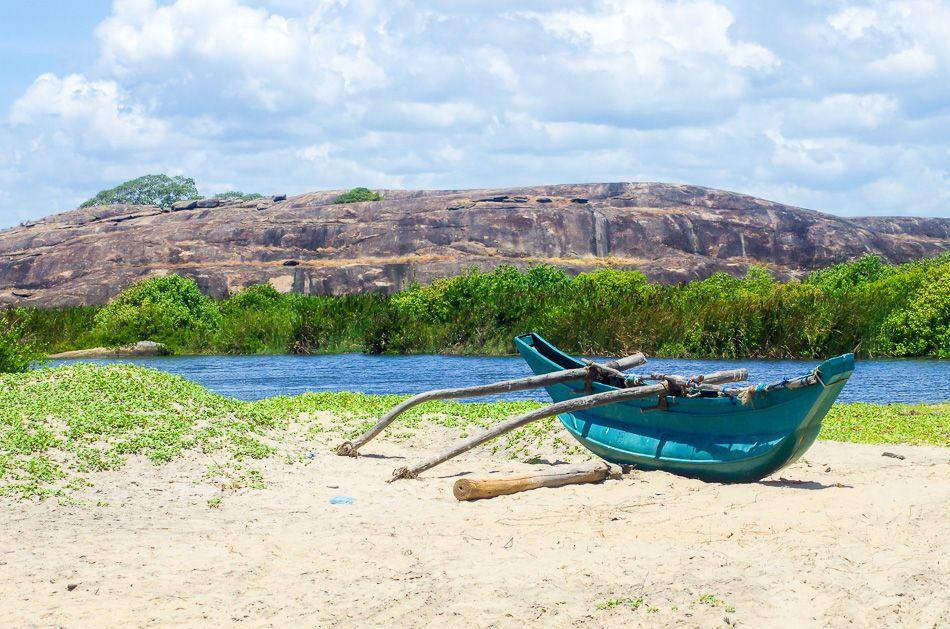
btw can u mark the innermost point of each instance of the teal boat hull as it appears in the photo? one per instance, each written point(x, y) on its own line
point(716, 439)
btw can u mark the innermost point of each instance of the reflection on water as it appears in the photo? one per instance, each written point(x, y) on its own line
point(255, 377)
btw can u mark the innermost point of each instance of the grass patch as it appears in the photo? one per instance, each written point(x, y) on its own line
point(60, 425)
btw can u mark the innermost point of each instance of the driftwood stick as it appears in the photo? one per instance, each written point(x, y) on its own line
point(350, 448)
point(567, 406)
point(477, 488)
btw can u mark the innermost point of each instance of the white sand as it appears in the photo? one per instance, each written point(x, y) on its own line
point(850, 539)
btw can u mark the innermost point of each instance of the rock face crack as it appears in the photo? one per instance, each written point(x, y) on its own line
point(670, 232)
point(601, 234)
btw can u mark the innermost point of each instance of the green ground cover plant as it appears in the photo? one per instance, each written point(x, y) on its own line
point(866, 306)
point(59, 426)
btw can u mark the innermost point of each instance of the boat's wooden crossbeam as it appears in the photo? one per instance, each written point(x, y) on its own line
point(728, 375)
point(747, 394)
point(567, 406)
point(587, 373)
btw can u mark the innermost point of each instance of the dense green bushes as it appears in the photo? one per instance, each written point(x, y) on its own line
point(867, 305)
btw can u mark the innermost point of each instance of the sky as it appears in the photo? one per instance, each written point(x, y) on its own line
point(838, 106)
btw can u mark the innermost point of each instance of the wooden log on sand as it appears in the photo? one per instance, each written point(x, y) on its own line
point(350, 448)
point(478, 488)
point(567, 406)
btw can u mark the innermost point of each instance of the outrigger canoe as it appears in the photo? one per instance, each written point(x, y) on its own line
point(714, 435)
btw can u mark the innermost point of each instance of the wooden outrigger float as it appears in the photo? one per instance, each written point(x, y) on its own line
point(688, 426)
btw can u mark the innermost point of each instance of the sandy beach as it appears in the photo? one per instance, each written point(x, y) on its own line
point(847, 537)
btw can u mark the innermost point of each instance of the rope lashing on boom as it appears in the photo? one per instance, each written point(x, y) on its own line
point(749, 393)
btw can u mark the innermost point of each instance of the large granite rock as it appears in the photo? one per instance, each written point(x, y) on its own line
point(308, 245)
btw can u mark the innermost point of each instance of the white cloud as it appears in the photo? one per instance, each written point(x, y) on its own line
point(837, 114)
point(92, 115)
point(854, 21)
point(652, 34)
point(838, 108)
point(243, 53)
point(902, 41)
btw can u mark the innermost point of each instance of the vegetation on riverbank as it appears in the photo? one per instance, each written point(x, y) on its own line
point(866, 305)
point(60, 425)
point(17, 349)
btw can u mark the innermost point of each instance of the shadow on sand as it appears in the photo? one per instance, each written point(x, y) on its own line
point(802, 484)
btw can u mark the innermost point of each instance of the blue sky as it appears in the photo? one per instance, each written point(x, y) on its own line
point(838, 106)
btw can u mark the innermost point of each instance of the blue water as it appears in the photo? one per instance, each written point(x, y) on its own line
point(255, 377)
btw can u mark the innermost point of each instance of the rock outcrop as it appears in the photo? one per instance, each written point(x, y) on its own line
point(307, 244)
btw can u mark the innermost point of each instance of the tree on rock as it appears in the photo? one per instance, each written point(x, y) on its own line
point(237, 195)
point(160, 190)
point(358, 194)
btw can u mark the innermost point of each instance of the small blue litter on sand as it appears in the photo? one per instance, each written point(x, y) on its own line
point(342, 500)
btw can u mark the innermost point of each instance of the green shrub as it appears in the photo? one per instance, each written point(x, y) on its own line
point(358, 194)
point(234, 195)
point(160, 190)
point(17, 351)
point(169, 310)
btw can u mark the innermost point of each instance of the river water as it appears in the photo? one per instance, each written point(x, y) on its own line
point(255, 377)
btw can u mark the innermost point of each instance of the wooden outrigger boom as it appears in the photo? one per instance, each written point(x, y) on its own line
point(591, 371)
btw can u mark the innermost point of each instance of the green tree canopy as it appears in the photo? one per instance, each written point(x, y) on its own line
point(358, 194)
point(160, 190)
